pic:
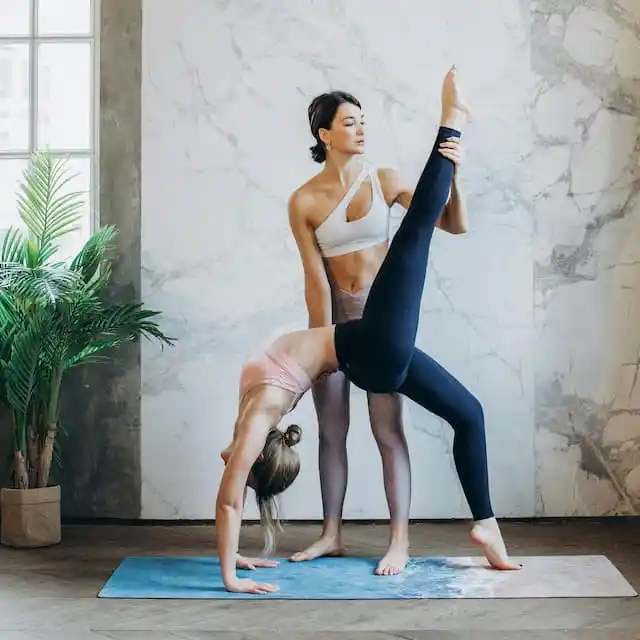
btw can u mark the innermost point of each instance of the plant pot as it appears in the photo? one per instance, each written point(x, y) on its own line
point(31, 517)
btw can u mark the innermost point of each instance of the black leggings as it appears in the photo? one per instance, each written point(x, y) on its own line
point(378, 354)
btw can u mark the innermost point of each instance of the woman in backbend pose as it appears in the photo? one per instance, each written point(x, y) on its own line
point(342, 239)
point(377, 353)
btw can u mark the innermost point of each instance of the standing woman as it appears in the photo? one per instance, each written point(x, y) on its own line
point(340, 219)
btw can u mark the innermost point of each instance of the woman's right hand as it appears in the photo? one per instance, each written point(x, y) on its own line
point(246, 585)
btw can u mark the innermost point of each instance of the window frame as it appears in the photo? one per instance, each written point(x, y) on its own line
point(92, 153)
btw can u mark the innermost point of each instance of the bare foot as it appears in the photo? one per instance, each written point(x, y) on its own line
point(486, 533)
point(455, 110)
point(327, 545)
point(394, 561)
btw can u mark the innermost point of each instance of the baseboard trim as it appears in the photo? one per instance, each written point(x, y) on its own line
point(148, 522)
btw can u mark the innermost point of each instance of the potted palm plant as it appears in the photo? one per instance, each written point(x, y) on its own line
point(53, 317)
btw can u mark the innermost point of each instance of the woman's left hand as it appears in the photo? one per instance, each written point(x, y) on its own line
point(254, 563)
point(452, 149)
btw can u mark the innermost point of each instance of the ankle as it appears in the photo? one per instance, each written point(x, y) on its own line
point(332, 529)
point(399, 535)
point(453, 118)
point(484, 522)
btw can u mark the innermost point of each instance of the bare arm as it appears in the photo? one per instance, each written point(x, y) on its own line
point(232, 492)
point(454, 218)
point(316, 284)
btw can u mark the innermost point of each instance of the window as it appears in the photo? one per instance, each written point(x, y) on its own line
point(6, 72)
point(48, 98)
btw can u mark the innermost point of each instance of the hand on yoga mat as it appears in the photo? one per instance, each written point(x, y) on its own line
point(254, 563)
point(249, 586)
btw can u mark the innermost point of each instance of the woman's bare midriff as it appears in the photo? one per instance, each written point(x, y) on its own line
point(355, 271)
point(312, 349)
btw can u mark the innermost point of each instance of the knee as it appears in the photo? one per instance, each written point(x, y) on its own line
point(385, 417)
point(390, 440)
point(472, 413)
point(333, 437)
point(477, 409)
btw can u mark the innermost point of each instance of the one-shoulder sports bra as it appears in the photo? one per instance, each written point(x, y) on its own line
point(337, 236)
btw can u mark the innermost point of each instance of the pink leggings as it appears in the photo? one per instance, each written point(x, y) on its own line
point(331, 399)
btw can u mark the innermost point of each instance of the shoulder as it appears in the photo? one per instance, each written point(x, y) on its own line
point(302, 201)
point(390, 177)
point(393, 183)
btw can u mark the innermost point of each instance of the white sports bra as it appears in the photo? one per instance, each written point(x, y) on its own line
point(337, 236)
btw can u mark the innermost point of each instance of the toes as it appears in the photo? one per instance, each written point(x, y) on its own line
point(388, 570)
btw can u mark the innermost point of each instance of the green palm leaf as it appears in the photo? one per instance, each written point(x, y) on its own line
point(47, 210)
point(13, 246)
point(43, 285)
point(130, 320)
point(21, 373)
point(96, 253)
point(9, 316)
point(89, 353)
point(10, 272)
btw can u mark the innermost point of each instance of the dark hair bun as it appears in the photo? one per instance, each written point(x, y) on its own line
point(292, 435)
point(318, 153)
point(321, 112)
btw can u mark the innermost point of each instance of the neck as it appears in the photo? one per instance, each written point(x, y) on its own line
point(341, 167)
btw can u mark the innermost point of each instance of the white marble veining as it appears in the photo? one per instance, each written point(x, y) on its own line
point(225, 141)
point(550, 171)
point(587, 253)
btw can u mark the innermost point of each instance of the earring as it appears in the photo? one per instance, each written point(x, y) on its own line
point(328, 146)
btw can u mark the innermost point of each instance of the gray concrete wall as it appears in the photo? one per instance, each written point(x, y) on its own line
point(101, 456)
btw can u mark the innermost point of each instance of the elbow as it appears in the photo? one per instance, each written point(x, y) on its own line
point(317, 288)
point(226, 508)
point(318, 299)
point(454, 230)
point(454, 226)
point(228, 501)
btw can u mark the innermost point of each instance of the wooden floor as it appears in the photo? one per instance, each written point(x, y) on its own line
point(51, 593)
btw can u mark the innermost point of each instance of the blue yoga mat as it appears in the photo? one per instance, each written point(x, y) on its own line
point(351, 578)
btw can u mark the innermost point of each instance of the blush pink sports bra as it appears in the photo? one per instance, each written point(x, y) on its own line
point(275, 368)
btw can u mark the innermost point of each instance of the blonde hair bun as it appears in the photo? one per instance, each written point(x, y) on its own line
point(292, 435)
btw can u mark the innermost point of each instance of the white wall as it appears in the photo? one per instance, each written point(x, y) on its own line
point(225, 140)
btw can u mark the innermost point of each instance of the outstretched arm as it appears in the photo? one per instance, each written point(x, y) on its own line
point(245, 562)
point(230, 501)
point(454, 218)
point(316, 284)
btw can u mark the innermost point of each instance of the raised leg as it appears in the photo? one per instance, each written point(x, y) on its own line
point(375, 351)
